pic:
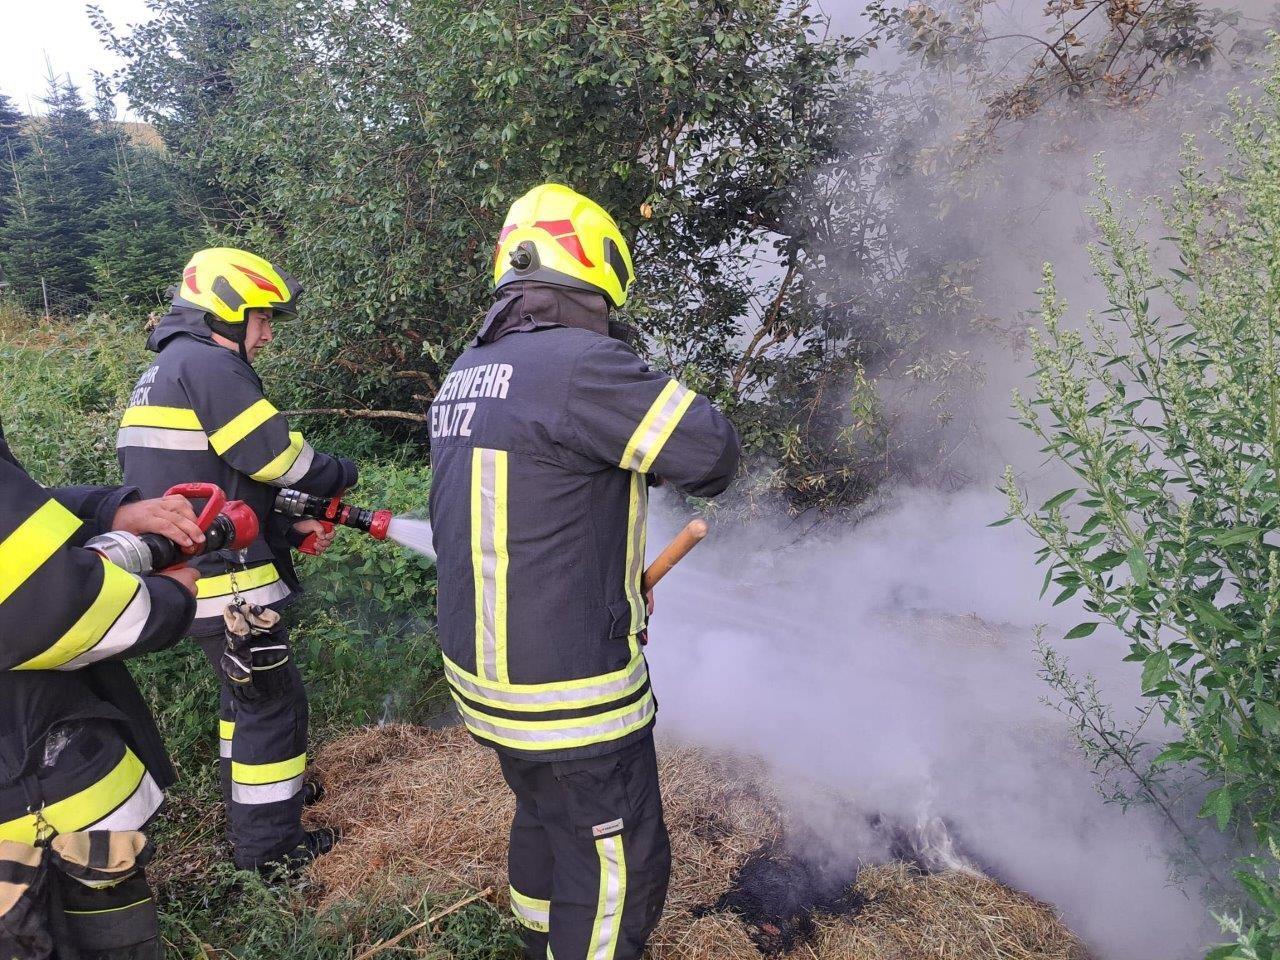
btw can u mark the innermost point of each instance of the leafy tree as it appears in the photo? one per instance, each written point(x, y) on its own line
point(374, 146)
point(52, 215)
point(1168, 411)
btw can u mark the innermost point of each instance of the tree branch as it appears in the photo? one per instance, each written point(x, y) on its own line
point(360, 414)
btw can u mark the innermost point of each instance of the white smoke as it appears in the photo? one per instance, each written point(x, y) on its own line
point(890, 671)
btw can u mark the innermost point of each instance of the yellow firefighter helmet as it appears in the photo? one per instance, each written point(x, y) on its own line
point(558, 236)
point(226, 283)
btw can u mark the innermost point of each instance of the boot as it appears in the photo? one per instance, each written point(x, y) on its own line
point(315, 843)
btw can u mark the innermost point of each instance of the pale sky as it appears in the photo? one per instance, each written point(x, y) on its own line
point(31, 28)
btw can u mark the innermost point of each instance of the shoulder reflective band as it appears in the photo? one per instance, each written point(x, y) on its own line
point(656, 428)
point(37, 538)
point(489, 560)
point(531, 912)
point(243, 424)
point(171, 418)
point(161, 428)
point(613, 895)
point(112, 624)
point(575, 695)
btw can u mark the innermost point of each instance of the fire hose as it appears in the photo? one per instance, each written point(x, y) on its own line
point(226, 526)
point(330, 511)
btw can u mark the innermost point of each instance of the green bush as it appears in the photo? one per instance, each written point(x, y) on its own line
point(1168, 411)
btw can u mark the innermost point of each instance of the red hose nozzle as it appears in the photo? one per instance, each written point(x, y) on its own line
point(380, 524)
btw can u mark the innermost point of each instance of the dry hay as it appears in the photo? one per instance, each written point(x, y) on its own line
point(431, 805)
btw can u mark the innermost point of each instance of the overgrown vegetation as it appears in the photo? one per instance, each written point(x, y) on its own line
point(86, 216)
point(806, 253)
point(364, 632)
point(1167, 408)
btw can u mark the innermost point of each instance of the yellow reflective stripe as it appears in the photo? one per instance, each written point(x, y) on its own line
point(593, 699)
point(647, 423)
point(260, 773)
point(220, 586)
point(84, 808)
point(91, 913)
point(280, 465)
point(119, 587)
point(554, 687)
point(489, 560)
point(637, 520)
point(37, 538)
point(503, 560)
point(174, 418)
point(613, 895)
point(530, 912)
point(593, 719)
point(226, 729)
point(669, 428)
point(243, 424)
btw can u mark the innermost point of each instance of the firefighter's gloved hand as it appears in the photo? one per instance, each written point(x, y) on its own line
point(256, 652)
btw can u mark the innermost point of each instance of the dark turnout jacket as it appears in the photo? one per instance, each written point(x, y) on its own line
point(543, 437)
point(76, 737)
point(199, 414)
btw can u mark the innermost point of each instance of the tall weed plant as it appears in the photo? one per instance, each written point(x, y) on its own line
point(1167, 409)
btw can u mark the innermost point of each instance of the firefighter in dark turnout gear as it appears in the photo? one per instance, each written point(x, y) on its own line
point(543, 439)
point(199, 414)
point(79, 750)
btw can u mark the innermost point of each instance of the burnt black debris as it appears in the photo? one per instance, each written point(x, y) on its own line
point(777, 894)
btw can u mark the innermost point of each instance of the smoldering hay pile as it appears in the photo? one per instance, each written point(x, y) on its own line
point(430, 805)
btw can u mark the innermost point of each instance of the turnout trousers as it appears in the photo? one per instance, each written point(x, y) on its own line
point(262, 749)
point(590, 858)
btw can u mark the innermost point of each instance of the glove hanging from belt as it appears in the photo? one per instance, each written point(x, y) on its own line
point(256, 651)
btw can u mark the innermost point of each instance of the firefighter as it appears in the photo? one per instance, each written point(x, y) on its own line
point(79, 749)
point(545, 438)
point(198, 413)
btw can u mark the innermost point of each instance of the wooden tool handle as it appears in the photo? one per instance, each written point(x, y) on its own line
point(674, 552)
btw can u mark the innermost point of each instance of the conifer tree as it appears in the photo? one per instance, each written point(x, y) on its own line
point(52, 215)
point(144, 238)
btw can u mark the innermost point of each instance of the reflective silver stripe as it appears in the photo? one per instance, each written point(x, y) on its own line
point(255, 793)
point(489, 560)
point(561, 734)
point(533, 913)
point(613, 894)
point(162, 438)
point(637, 520)
point(299, 468)
point(269, 593)
point(224, 749)
point(650, 437)
point(567, 699)
point(134, 813)
point(122, 635)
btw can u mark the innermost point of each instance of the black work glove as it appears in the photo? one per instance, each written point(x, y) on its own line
point(256, 652)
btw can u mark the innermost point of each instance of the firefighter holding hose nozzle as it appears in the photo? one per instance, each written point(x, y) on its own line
point(199, 414)
point(543, 438)
point(82, 765)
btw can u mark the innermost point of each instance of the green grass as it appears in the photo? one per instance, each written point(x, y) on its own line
point(364, 635)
